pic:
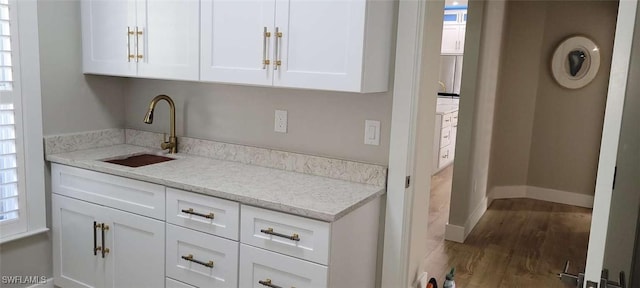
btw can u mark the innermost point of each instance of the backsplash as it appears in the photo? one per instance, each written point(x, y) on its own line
point(62, 143)
point(307, 164)
point(288, 161)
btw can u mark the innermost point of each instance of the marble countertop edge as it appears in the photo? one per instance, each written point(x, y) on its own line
point(328, 215)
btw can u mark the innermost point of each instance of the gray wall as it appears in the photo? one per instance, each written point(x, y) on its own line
point(321, 123)
point(545, 135)
point(71, 102)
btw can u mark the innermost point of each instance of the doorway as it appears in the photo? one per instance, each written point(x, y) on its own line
point(531, 147)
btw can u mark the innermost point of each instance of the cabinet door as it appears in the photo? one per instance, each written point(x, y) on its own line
point(136, 250)
point(450, 39)
point(74, 262)
point(105, 40)
point(462, 29)
point(169, 43)
point(322, 44)
point(233, 46)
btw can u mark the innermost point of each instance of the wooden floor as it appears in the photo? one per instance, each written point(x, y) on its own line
point(517, 243)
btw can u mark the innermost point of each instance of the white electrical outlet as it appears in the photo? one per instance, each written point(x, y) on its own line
point(280, 124)
point(372, 132)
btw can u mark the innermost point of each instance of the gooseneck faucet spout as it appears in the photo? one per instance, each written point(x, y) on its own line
point(172, 144)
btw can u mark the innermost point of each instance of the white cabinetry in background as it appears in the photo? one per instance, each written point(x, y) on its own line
point(329, 45)
point(453, 31)
point(141, 38)
point(444, 141)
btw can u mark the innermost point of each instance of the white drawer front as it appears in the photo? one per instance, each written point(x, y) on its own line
point(260, 265)
point(203, 213)
point(118, 192)
point(454, 119)
point(445, 137)
point(170, 283)
point(445, 157)
point(313, 236)
point(446, 120)
point(182, 242)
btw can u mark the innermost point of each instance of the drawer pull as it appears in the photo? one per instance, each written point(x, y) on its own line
point(190, 211)
point(190, 259)
point(268, 283)
point(96, 248)
point(294, 237)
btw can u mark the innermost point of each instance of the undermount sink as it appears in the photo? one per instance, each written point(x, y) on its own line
point(139, 160)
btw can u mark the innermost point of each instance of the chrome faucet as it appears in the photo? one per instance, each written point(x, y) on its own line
point(172, 144)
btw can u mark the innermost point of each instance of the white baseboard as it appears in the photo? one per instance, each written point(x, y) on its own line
point(458, 233)
point(454, 233)
point(544, 194)
point(48, 284)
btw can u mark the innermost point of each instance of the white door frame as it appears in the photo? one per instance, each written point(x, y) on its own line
point(419, 29)
point(610, 138)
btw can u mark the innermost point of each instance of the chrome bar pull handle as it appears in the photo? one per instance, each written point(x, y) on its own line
point(129, 55)
point(265, 60)
point(267, 282)
point(190, 211)
point(278, 61)
point(191, 259)
point(294, 237)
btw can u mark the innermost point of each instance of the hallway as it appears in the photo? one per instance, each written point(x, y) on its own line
point(517, 243)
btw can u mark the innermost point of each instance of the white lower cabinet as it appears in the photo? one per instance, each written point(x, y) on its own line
point(200, 259)
point(104, 236)
point(262, 268)
point(97, 246)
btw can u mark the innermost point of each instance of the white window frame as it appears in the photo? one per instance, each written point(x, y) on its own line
point(26, 88)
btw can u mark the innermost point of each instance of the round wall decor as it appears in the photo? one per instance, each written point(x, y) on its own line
point(575, 62)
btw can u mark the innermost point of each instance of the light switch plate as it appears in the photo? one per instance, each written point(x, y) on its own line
point(372, 132)
point(280, 123)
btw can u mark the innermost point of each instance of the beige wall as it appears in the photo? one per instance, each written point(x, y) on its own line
point(483, 48)
point(71, 102)
point(320, 122)
point(545, 135)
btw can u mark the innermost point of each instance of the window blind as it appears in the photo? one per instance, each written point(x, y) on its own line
point(9, 192)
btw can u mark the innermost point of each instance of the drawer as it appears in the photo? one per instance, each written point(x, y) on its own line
point(271, 230)
point(183, 242)
point(170, 283)
point(446, 120)
point(203, 213)
point(126, 194)
point(259, 267)
point(454, 119)
point(445, 156)
point(445, 137)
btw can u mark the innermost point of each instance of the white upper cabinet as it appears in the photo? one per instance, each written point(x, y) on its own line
point(169, 43)
point(145, 38)
point(329, 45)
point(105, 41)
point(237, 41)
point(453, 31)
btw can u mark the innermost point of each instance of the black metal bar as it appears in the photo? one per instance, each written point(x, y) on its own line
point(294, 237)
point(190, 258)
point(268, 283)
point(104, 245)
point(190, 211)
point(95, 238)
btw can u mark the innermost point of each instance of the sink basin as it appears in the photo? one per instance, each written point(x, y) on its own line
point(139, 160)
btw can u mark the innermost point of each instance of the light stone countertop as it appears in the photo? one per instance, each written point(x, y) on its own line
point(295, 193)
